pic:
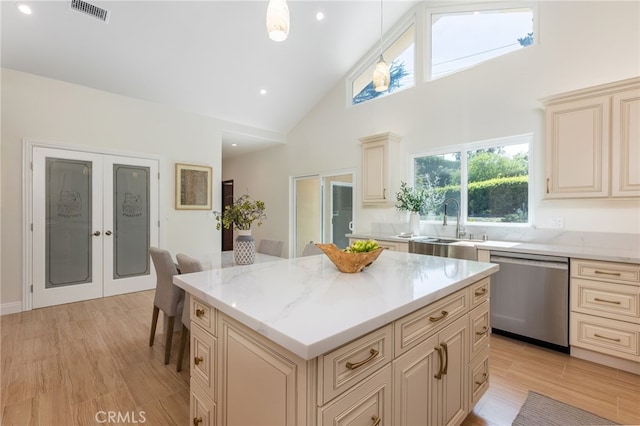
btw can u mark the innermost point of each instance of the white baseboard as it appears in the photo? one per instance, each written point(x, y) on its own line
point(611, 361)
point(10, 308)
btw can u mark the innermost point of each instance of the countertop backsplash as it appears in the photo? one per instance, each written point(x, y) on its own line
point(518, 234)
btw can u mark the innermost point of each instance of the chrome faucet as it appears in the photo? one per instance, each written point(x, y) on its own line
point(459, 234)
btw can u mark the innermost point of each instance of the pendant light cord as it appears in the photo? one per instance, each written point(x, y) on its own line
point(381, 15)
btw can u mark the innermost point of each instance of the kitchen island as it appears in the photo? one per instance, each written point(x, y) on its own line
point(296, 342)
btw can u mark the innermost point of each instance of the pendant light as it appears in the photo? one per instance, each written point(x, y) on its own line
point(381, 76)
point(278, 20)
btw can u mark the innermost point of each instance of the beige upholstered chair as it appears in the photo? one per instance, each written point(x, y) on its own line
point(186, 265)
point(168, 297)
point(270, 247)
point(311, 249)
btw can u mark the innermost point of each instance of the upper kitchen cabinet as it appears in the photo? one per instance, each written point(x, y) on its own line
point(379, 163)
point(592, 142)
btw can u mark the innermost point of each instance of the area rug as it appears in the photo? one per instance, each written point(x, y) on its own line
point(539, 410)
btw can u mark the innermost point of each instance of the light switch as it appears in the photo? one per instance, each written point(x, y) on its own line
point(556, 223)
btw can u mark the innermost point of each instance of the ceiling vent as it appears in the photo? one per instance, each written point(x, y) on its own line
point(91, 10)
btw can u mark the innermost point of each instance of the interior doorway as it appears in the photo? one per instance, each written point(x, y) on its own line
point(323, 209)
point(227, 200)
point(94, 217)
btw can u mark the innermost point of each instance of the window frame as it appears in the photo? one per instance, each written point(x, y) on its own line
point(464, 178)
point(427, 22)
point(371, 57)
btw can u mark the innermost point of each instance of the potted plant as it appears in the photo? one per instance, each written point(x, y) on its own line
point(411, 199)
point(240, 215)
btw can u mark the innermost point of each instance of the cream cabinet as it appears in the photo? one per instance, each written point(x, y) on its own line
point(592, 142)
point(605, 308)
point(423, 368)
point(380, 155)
point(430, 379)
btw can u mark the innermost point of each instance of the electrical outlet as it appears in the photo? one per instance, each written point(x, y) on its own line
point(556, 223)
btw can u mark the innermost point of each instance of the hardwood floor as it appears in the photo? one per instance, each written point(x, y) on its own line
point(67, 364)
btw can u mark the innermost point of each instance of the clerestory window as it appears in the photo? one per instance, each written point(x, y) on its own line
point(400, 56)
point(462, 37)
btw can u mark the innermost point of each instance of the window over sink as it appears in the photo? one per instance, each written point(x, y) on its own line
point(488, 179)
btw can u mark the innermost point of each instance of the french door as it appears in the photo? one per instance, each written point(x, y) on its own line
point(94, 218)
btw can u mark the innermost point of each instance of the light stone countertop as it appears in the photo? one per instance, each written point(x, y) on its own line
point(307, 306)
point(582, 252)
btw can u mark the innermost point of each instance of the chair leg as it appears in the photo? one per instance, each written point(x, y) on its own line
point(167, 344)
point(183, 342)
point(154, 322)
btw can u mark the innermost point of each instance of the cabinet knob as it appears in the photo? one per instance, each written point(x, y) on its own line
point(96, 234)
point(108, 233)
point(197, 360)
point(199, 313)
point(376, 420)
point(197, 421)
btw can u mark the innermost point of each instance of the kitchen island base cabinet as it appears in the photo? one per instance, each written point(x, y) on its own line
point(429, 380)
point(405, 373)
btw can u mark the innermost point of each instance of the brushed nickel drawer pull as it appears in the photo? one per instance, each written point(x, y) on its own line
point(197, 360)
point(199, 313)
point(608, 338)
point(483, 332)
point(443, 314)
point(197, 421)
point(353, 365)
point(616, 302)
point(446, 357)
point(484, 379)
point(615, 274)
point(376, 420)
point(439, 374)
point(480, 291)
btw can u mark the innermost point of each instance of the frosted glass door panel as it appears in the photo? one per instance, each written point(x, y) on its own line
point(131, 221)
point(67, 226)
point(68, 222)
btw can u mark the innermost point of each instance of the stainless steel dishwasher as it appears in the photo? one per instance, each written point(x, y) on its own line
point(530, 298)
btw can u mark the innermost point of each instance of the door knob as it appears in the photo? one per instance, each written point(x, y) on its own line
point(96, 234)
point(108, 233)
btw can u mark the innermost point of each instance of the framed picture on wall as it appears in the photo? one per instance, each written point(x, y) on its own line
point(193, 187)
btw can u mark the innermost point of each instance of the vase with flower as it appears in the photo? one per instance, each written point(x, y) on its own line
point(241, 215)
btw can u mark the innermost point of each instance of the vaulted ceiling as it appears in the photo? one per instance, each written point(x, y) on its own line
point(208, 57)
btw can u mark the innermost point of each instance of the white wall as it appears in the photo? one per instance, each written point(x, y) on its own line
point(41, 108)
point(581, 44)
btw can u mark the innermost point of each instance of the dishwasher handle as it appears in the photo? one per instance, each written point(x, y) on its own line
point(529, 262)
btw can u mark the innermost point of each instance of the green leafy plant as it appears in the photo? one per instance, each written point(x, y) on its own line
point(241, 214)
point(410, 199)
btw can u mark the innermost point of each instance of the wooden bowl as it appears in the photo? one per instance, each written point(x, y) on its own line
point(349, 262)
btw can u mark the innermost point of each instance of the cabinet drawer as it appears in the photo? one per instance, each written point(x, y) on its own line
point(624, 273)
point(203, 315)
point(344, 367)
point(607, 336)
point(202, 363)
point(480, 292)
point(479, 329)
point(414, 328)
point(368, 403)
point(201, 409)
point(615, 301)
point(478, 377)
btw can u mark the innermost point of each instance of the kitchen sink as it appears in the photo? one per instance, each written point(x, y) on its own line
point(444, 247)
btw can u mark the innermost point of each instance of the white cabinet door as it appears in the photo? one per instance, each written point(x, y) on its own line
point(577, 149)
point(625, 144)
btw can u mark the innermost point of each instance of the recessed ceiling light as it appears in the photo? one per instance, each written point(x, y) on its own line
point(263, 92)
point(24, 9)
point(319, 16)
